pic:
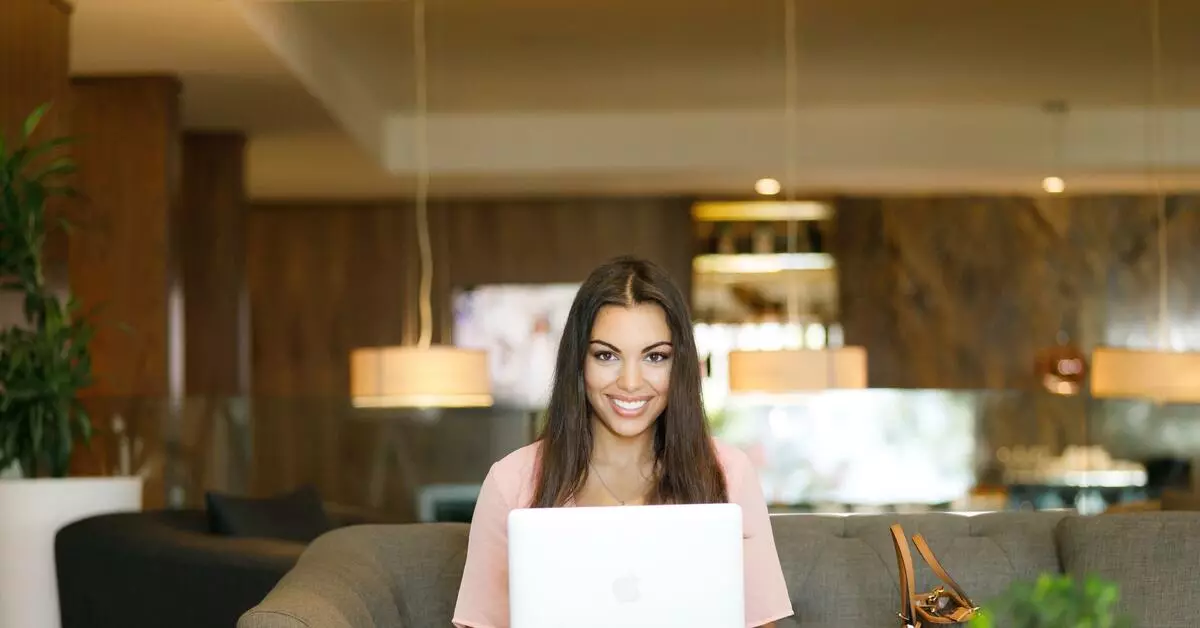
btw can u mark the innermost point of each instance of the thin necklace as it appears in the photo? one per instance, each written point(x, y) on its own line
point(600, 477)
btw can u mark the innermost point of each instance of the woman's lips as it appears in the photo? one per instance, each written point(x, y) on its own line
point(629, 407)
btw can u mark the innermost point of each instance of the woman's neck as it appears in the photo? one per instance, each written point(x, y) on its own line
point(613, 450)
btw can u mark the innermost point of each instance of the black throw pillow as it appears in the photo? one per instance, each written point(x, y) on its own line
point(298, 516)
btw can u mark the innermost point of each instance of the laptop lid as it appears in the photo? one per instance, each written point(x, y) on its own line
point(628, 566)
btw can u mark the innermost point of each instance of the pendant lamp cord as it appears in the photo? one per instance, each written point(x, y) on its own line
point(1155, 144)
point(421, 149)
point(791, 89)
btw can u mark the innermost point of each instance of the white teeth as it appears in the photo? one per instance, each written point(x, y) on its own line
point(629, 405)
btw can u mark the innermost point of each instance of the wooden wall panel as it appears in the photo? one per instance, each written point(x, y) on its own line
point(121, 254)
point(212, 241)
point(123, 265)
point(325, 278)
point(34, 58)
point(961, 292)
point(34, 65)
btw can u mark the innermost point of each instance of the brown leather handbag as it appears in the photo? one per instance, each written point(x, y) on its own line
point(937, 607)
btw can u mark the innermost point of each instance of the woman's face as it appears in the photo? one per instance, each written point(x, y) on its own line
point(627, 371)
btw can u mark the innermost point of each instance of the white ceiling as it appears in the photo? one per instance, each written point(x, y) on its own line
point(536, 55)
point(545, 96)
point(232, 79)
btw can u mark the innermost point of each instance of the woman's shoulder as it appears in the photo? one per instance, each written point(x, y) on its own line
point(738, 467)
point(732, 458)
point(512, 475)
point(519, 462)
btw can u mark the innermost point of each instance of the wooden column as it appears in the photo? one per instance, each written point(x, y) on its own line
point(121, 259)
point(213, 261)
point(34, 56)
point(212, 247)
point(34, 62)
point(125, 271)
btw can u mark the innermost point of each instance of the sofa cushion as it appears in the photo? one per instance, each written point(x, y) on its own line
point(841, 570)
point(297, 516)
point(1154, 559)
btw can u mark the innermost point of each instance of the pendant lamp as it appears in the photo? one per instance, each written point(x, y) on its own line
point(1061, 368)
point(425, 375)
point(1163, 375)
point(795, 370)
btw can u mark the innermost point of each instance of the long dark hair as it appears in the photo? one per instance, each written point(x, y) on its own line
point(687, 468)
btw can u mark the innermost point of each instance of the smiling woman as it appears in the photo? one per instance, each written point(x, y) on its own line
point(625, 426)
point(625, 422)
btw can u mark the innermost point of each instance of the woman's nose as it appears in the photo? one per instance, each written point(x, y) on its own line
point(631, 377)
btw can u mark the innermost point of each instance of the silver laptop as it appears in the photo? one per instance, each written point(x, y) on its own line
point(629, 566)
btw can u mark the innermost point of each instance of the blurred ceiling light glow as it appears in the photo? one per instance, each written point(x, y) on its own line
point(767, 187)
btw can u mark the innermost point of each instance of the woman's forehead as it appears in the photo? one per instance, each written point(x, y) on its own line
point(637, 326)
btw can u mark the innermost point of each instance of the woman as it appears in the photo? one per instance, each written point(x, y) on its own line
point(625, 426)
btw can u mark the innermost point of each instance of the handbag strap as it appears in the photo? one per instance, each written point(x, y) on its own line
point(907, 577)
point(927, 554)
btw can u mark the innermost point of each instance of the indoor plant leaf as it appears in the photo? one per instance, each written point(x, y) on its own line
point(1055, 601)
point(34, 119)
point(45, 360)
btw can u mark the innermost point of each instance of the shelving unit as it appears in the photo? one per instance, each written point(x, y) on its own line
point(743, 276)
point(744, 272)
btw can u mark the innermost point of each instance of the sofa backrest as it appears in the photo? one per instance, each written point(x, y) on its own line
point(1153, 556)
point(841, 570)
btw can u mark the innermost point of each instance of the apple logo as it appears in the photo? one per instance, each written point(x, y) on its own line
point(625, 589)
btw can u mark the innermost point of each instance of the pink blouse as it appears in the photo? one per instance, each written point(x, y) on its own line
point(483, 594)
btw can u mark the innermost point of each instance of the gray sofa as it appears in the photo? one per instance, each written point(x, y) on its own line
point(841, 570)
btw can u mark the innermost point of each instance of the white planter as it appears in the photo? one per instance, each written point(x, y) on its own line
point(31, 513)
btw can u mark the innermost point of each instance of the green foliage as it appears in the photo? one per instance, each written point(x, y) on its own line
point(1055, 601)
point(45, 361)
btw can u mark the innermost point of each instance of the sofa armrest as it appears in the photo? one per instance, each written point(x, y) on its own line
point(337, 583)
point(374, 576)
point(132, 569)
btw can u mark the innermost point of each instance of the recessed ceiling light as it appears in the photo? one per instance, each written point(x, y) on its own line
point(767, 187)
point(1053, 185)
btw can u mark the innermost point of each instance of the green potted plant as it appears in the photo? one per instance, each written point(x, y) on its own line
point(1055, 601)
point(44, 363)
point(44, 358)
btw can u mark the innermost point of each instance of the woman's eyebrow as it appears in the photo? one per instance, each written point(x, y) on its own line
point(651, 347)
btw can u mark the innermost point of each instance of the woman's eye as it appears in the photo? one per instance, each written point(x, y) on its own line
point(656, 358)
point(604, 356)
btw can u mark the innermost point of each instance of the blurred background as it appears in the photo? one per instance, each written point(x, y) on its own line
point(940, 254)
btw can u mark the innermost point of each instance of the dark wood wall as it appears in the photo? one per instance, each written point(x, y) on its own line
point(34, 58)
point(212, 261)
point(325, 278)
point(123, 257)
point(961, 292)
point(945, 291)
point(34, 64)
